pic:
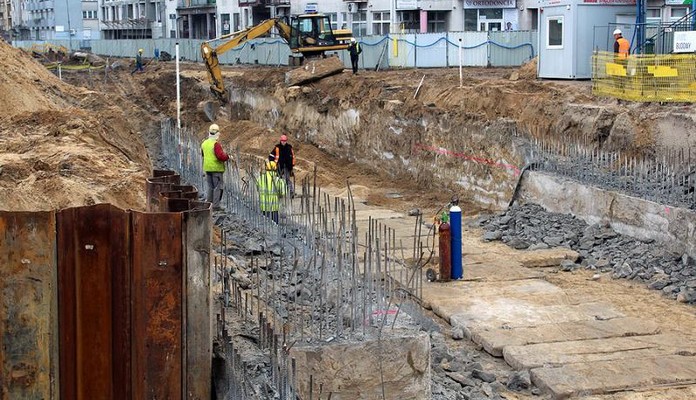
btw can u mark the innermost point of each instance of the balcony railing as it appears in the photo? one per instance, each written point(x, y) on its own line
point(246, 3)
point(195, 3)
point(127, 24)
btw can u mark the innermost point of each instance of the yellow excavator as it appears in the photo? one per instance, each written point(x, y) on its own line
point(309, 35)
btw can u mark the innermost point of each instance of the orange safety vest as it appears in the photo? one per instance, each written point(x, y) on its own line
point(624, 47)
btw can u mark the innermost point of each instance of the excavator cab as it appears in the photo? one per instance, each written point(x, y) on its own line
point(311, 35)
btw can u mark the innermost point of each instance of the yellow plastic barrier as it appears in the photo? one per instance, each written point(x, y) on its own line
point(662, 78)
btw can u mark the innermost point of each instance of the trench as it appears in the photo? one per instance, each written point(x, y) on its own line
point(489, 165)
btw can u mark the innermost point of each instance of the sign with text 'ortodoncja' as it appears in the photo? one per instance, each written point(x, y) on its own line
point(489, 3)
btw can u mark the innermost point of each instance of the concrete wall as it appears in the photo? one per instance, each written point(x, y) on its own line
point(352, 370)
point(437, 151)
point(642, 219)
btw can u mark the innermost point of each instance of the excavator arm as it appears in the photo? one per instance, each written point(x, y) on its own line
point(232, 40)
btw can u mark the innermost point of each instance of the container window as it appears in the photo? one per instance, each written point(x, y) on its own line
point(555, 33)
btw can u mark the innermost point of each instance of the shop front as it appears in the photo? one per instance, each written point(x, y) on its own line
point(490, 15)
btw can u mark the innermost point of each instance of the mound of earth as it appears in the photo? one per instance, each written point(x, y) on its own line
point(62, 145)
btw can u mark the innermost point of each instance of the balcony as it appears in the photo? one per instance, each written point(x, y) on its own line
point(127, 24)
point(195, 4)
point(245, 3)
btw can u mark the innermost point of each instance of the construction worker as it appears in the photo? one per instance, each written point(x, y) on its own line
point(271, 188)
point(138, 62)
point(621, 45)
point(214, 159)
point(355, 50)
point(284, 156)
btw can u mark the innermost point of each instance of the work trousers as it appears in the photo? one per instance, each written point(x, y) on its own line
point(354, 63)
point(273, 215)
point(286, 175)
point(214, 188)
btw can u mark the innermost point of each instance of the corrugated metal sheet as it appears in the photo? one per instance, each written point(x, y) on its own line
point(28, 306)
point(94, 296)
point(157, 257)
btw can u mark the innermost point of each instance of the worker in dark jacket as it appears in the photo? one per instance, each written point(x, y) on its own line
point(354, 49)
point(284, 156)
point(214, 159)
point(138, 62)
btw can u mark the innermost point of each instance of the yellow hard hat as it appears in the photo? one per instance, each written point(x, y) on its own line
point(140, 50)
point(214, 129)
point(270, 165)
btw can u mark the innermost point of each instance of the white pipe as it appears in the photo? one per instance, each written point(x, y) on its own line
point(178, 108)
point(461, 83)
point(178, 89)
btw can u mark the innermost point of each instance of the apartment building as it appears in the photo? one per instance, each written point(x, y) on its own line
point(132, 19)
point(5, 19)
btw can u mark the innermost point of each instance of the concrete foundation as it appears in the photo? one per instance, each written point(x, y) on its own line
point(642, 219)
point(395, 367)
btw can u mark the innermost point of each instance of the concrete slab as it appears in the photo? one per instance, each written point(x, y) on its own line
point(493, 341)
point(580, 351)
point(501, 271)
point(598, 377)
point(449, 298)
point(486, 314)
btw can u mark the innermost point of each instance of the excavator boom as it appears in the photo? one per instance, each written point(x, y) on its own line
point(308, 34)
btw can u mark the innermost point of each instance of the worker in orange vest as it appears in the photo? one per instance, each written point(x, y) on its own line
point(621, 45)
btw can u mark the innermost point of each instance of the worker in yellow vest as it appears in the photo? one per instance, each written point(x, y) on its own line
point(621, 46)
point(214, 159)
point(271, 188)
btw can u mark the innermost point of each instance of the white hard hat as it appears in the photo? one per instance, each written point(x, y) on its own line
point(352, 40)
point(617, 32)
point(214, 128)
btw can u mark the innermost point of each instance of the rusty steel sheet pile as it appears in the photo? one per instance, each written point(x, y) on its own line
point(99, 302)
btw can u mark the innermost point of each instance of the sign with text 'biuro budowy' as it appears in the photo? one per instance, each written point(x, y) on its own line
point(406, 4)
point(489, 3)
point(685, 42)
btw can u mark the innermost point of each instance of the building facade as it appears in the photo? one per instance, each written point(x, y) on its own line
point(208, 19)
point(5, 19)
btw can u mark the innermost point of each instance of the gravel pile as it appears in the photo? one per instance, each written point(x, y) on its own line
point(530, 227)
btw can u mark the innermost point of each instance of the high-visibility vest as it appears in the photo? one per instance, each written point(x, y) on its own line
point(210, 160)
point(270, 188)
point(624, 47)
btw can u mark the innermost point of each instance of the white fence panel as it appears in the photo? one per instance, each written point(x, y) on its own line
point(405, 53)
point(431, 50)
point(474, 49)
point(375, 50)
point(512, 48)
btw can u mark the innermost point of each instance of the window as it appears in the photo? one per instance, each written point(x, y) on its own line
point(409, 21)
point(653, 15)
point(554, 37)
point(470, 19)
point(677, 13)
point(334, 20)
point(359, 26)
point(380, 23)
point(437, 21)
point(89, 14)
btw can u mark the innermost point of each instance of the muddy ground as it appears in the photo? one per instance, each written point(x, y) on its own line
point(94, 138)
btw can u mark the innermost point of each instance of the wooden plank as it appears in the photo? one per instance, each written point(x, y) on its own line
point(614, 375)
point(314, 70)
point(494, 340)
point(198, 321)
point(577, 351)
point(157, 305)
point(28, 306)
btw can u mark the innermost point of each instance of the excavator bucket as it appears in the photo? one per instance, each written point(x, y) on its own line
point(210, 109)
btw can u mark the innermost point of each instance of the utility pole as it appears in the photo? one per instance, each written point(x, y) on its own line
point(640, 25)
